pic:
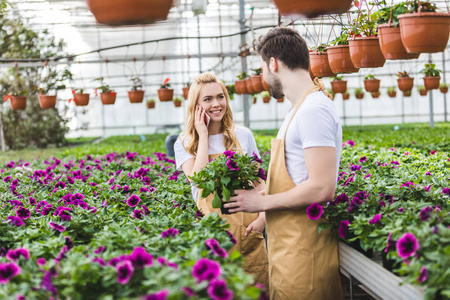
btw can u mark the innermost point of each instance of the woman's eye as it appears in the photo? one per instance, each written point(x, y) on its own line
point(221, 97)
point(207, 99)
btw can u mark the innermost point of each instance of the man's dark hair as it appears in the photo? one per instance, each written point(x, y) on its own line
point(286, 45)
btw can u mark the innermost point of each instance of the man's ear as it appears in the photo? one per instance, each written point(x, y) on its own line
point(273, 65)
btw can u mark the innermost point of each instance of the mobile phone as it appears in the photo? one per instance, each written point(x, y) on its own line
point(207, 118)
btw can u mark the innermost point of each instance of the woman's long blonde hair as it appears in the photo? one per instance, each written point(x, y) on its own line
point(227, 127)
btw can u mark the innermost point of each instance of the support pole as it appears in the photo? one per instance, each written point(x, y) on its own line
point(199, 46)
point(431, 101)
point(343, 110)
point(244, 60)
point(445, 95)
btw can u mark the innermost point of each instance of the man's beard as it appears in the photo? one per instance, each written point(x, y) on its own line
point(276, 89)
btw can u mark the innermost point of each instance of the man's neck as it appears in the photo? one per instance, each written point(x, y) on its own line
point(296, 84)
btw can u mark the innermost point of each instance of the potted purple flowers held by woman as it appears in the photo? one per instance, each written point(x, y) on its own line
point(227, 173)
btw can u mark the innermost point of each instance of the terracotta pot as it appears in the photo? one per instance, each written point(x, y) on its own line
point(392, 94)
point(18, 102)
point(266, 99)
point(312, 9)
point(391, 43)
point(339, 59)
point(443, 89)
point(249, 84)
point(177, 103)
point(265, 85)
point(47, 101)
point(320, 66)
point(257, 83)
point(431, 82)
point(407, 93)
point(136, 96)
point(423, 92)
point(151, 105)
point(81, 99)
point(405, 83)
point(186, 92)
point(280, 100)
point(254, 100)
point(359, 96)
point(130, 12)
point(365, 52)
point(345, 96)
point(425, 32)
point(165, 95)
point(372, 85)
point(108, 98)
point(339, 86)
point(376, 94)
point(241, 87)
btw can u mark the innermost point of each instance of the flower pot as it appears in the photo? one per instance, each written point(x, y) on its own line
point(18, 102)
point(130, 12)
point(359, 96)
point(320, 66)
point(339, 86)
point(392, 94)
point(186, 92)
point(265, 85)
point(376, 94)
point(312, 9)
point(405, 83)
point(345, 96)
point(257, 83)
point(391, 43)
point(423, 92)
point(177, 103)
point(372, 85)
point(357, 246)
point(339, 59)
point(266, 99)
point(407, 93)
point(444, 89)
point(365, 52)
point(280, 100)
point(254, 100)
point(165, 95)
point(47, 101)
point(81, 99)
point(388, 264)
point(108, 98)
point(241, 87)
point(424, 32)
point(151, 105)
point(249, 84)
point(136, 96)
point(431, 82)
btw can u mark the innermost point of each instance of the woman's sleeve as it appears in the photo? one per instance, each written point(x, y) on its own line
point(252, 144)
point(181, 155)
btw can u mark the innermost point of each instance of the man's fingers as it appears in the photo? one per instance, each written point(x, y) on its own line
point(248, 230)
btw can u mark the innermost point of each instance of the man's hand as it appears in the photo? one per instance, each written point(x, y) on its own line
point(246, 201)
point(257, 225)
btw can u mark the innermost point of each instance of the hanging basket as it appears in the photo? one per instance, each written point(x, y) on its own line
point(254, 100)
point(431, 82)
point(359, 96)
point(345, 96)
point(18, 102)
point(423, 92)
point(407, 93)
point(257, 83)
point(81, 99)
point(312, 9)
point(339, 59)
point(392, 94)
point(365, 52)
point(444, 89)
point(47, 101)
point(165, 95)
point(136, 96)
point(424, 32)
point(177, 103)
point(391, 43)
point(405, 83)
point(372, 85)
point(266, 99)
point(320, 67)
point(376, 95)
point(240, 87)
point(339, 86)
point(249, 84)
point(280, 100)
point(130, 12)
point(150, 105)
point(108, 98)
point(186, 92)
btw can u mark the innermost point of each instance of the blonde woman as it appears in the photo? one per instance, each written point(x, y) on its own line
point(209, 131)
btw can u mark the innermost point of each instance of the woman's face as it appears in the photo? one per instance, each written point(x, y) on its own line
point(213, 101)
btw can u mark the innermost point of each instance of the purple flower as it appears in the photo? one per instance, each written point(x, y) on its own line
point(47, 281)
point(363, 159)
point(446, 191)
point(133, 200)
point(114, 261)
point(262, 174)
point(171, 232)
point(355, 168)
point(218, 290)
point(390, 243)
point(60, 184)
point(100, 249)
point(256, 158)
point(40, 261)
point(7, 179)
point(198, 215)
point(342, 198)
point(140, 258)
point(23, 213)
point(427, 188)
point(137, 213)
point(161, 295)
point(144, 189)
point(125, 189)
point(229, 153)
point(16, 254)
point(57, 227)
point(425, 213)
point(32, 201)
point(407, 184)
point(382, 203)
point(314, 211)
point(433, 152)
point(407, 245)
point(356, 202)
point(375, 220)
point(205, 269)
point(401, 210)
point(232, 165)
point(100, 261)
point(15, 221)
point(394, 162)
point(351, 143)
point(428, 173)
point(232, 239)
point(214, 246)
point(8, 271)
point(423, 274)
point(343, 228)
point(68, 242)
point(124, 271)
point(188, 291)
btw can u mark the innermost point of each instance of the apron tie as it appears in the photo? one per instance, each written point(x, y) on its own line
point(319, 82)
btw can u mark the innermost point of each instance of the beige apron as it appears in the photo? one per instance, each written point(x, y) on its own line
point(252, 247)
point(302, 263)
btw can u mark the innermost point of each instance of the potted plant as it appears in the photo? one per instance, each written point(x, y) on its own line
point(365, 50)
point(231, 91)
point(52, 83)
point(318, 60)
point(136, 95)
point(359, 93)
point(165, 93)
point(130, 12)
point(375, 95)
point(338, 85)
point(151, 103)
point(432, 78)
point(80, 98)
point(265, 96)
point(389, 32)
point(339, 54)
point(392, 92)
point(249, 85)
point(18, 100)
point(443, 87)
point(257, 81)
point(281, 100)
point(107, 96)
point(404, 82)
point(312, 9)
point(371, 84)
point(254, 98)
point(422, 90)
point(407, 93)
point(346, 95)
point(186, 90)
point(177, 102)
point(240, 85)
point(424, 31)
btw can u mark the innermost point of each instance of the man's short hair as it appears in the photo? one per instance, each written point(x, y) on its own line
point(286, 45)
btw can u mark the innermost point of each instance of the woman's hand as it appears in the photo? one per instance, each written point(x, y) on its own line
point(257, 225)
point(199, 121)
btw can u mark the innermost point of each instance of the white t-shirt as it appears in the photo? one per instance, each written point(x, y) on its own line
point(215, 145)
point(315, 124)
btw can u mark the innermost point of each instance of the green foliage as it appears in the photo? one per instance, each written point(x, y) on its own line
point(359, 91)
point(383, 15)
point(151, 100)
point(403, 74)
point(257, 71)
point(103, 87)
point(137, 83)
point(320, 48)
point(370, 77)
point(365, 25)
point(231, 91)
point(337, 78)
point(443, 85)
point(421, 88)
point(242, 75)
point(342, 39)
point(391, 89)
point(176, 99)
point(430, 70)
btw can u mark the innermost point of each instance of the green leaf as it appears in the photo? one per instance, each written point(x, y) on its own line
point(253, 292)
point(216, 203)
point(226, 193)
point(225, 180)
point(324, 226)
point(235, 255)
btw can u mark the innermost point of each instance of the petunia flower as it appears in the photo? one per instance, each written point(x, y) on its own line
point(314, 211)
point(133, 200)
point(446, 191)
point(140, 258)
point(218, 290)
point(15, 221)
point(363, 159)
point(100, 261)
point(407, 245)
point(390, 243)
point(214, 246)
point(8, 271)
point(14, 255)
point(171, 232)
point(433, 152)
point(351, 143)
point(343, 228)
point(375, 220)
point(232, 239)
point(407, 184)
point(57, 227)
point(262, 174)
point(425, 213)
point(256, 158)
point(161, 295)
point(125, 270)
point(341, 198)
point(206, 269)
point(423, 275)
point(23, 213)
point(229, 153)
point(40, 261)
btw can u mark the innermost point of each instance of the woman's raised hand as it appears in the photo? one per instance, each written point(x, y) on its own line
point(199, 124)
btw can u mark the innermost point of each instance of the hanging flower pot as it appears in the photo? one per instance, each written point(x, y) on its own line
point(151, 104)
point(257, 83)
point(339, 59)
point(266, 97)
point(265, 85)
point(81, 99)
point(18, 102)
point(177, 102)
point(339, 86)
point(249, 84)
point(241, 87)
point(346, 96)
point(359, 93)
point(136, 96)
point(391, 43)
point(312, 9)
point(320, 67)
point(165, 94)
point(392, 92)
point(371, 84)
point(407, 93)
point(405, 83)
point(431, 82)
point(108, 98)
point(47, 101)
point(254, 100)
point(365, 52)
point(424, 32)
point(376, 94)
point(186, 92)
point(422, 90)
point(130, 12)
point(443, 87)
point(280, 100)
